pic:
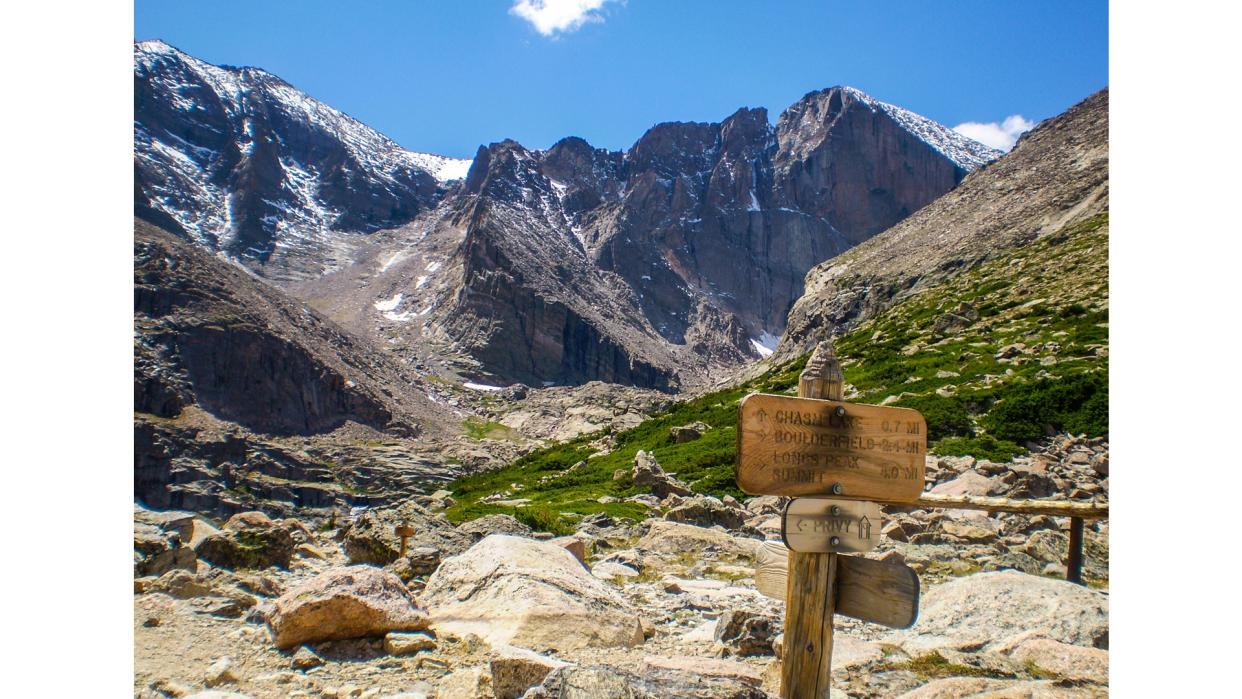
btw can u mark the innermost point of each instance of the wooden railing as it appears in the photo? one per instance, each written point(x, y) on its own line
point(1076, 511)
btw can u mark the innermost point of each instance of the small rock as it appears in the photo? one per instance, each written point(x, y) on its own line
point(647, 473)
point(688, 433)
point(573, 545)
point(745, 632)
point(399, 643)
point(706, 511)
point(480, 528)
point(466, 683)
point(220, 672)
point(514, 670)
point(310, 551)
point(607, 570)
point(305, 659)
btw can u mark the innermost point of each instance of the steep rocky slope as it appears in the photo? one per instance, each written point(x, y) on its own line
point(240, 161)
point(242, 395)
point(1056, 176)
point(658, 266)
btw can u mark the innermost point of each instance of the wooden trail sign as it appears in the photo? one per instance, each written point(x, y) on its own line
point(820, 525)
point(805, 447)
point(874, 591)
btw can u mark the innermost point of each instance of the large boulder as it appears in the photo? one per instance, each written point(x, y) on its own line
point(648, 474)
point(372, 537)
point(677, 538)
point(988, 608)
point(1072, 662)
point(252, 540)
point(487, 525)
point(706, 511)
point(345, 602)
point(971, 482)
point(528, 593)
point(157, 551)
point(602, 682)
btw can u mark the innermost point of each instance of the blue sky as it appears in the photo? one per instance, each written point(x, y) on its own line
point(445, 77)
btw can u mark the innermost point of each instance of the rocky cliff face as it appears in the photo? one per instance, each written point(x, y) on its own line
point(242, 162)
point(657, 266)
point(1055, 176)
point(243, 395)
point(682, 255)
point(210, 335)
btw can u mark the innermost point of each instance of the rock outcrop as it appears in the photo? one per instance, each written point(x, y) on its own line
point(372, 537)
point(252, 540)
point(647, 473)
point(342, 603)
point(528, 593)
point(988, 608)
point(210, 338)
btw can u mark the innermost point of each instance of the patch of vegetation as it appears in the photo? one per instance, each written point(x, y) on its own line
point(1035, 671)
point(933, 666)
point(945, 416)
point(981, 447)
point(1077, 404)
point(543, 519)
point(1050, 296)
point(478, 429)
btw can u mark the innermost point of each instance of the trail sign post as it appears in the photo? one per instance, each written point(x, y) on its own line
point(815, 525)
point(816, 445)
point(798, 447)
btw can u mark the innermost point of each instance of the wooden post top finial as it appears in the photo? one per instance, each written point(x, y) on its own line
point(822, 377)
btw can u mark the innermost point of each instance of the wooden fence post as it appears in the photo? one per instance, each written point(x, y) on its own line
point(811, 592)
point(1073, 566)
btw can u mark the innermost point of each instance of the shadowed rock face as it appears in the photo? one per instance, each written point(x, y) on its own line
point(210, 335)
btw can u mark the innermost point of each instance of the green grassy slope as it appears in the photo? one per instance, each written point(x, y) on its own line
point(1051, 296)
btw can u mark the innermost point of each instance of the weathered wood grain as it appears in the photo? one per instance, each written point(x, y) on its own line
point(878, 592)
point(810, 597)
point(805, 447)
point(810, 603)
point(824, 525)
point(1052, 508)
point(881, 593)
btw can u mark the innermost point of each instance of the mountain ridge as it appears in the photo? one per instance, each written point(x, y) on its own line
point(659, 265)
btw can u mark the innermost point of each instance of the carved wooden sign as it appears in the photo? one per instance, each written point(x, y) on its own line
point(820, 525)
point(806, 447)
point(874, 591)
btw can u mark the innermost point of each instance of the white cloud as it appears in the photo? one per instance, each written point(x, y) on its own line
point(551, 16)
point(1001, 136)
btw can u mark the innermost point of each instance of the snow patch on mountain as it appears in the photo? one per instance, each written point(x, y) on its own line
point(237, 154)
point(966, 152)
point(765, 344)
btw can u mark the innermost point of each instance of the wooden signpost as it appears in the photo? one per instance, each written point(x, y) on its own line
point(798, 447)
point(816, 445)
